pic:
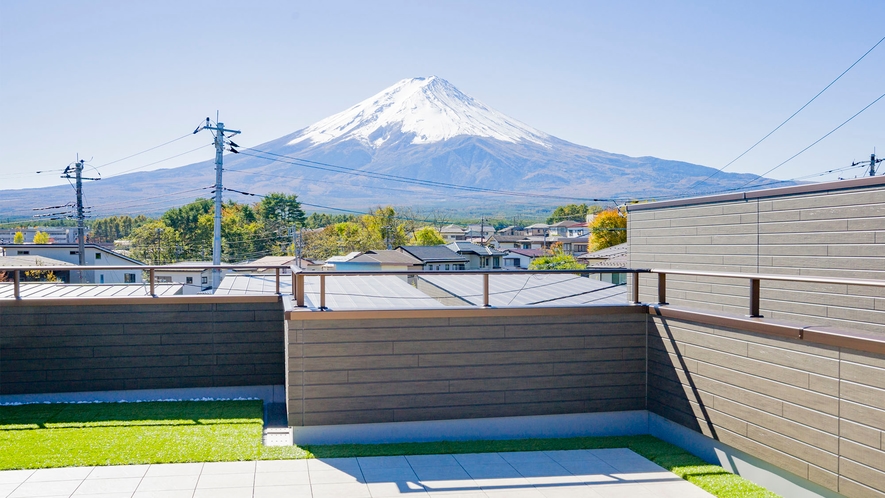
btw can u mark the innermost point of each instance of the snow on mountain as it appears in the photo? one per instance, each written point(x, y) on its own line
point(426, 109)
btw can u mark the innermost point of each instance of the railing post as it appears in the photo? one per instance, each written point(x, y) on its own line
point(754, 298)
point(662, 288)
point(151, 276)
point(635, 299)
point(293, 284)
point(322, 292)
point(485, 291)
point(278, 281)
point(299, 290)
point(16, 285)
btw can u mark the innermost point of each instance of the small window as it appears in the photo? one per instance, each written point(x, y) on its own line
point(98, 255)
point(101, 278)
point(164, 280)
point(23, 252)
point(448, 267)
point(189, 280)
point(129, 278)
point(74, 252)
point(204, 280)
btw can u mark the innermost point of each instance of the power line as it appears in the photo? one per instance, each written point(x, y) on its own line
point(160, 161)
point(144, 151)
point(816, 141)
point(789, 118)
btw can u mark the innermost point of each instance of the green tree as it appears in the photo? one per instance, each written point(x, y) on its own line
point(427, 236)
point(574, 212)
point(556, 259)
point(155, 243)
point(188, 221)
point(18, 238)
point(608, 228)
point(41, 237)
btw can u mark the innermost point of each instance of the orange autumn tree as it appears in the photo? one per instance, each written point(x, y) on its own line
point(608, 228)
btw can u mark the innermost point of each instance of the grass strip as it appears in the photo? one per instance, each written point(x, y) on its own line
point(66, 434)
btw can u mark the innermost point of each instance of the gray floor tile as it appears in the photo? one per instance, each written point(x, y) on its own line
point(45, 488)
point(387, 475)
point(441, 473)
point(526, 457)
point(514, 493)
point(497, 471)
point(244, 492)
point(228, 467)
point(281, 466)
point(168, 483)
point(583, 467)
point(174, 469)
point(334, 477)
point(479, 459)
point(177, 493)
point(339, 490)
point(396, 488)
point(420, 461)
point(451, 486)
point(118, 471)
point(295, 491)
point(110, 485)
point(226, 480)
point(622, 490)
point(342, 464)
point(568, 492)
point(503, 483)
point(385, 462)
point(15, 476)
point(540, 469)
point(9, 487)
point(61, 474)
point(281, 478)
point(567, 455)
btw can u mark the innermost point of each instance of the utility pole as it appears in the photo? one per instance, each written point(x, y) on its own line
point(482, 230)
point(873, 162)
point(218, 132)
point(81, 214)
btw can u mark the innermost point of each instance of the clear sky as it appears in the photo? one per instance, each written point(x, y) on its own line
point(697, 81)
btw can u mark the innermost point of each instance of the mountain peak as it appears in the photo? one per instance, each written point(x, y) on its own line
point(424, 110)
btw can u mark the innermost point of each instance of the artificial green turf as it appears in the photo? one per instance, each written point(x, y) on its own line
point(67, 434)
point(62, 435)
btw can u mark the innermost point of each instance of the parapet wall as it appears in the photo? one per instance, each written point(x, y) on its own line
point(54, 347)
point(456, 364)
point(816, 411)
point(830, 230)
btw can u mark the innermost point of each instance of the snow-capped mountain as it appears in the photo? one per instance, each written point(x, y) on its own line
point(421, 111)
point(422, 143)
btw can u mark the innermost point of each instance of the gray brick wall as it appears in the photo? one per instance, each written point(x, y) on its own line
point(50, 349)
point(831, 233)
point(816, 411)
point(391, 370)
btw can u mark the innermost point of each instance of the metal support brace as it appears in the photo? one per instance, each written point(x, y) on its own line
point(485, 291)
point(278, 281)
point(662, 288)
point(754, 298)
point(322, 292)
point(16, 285)
point(151, 276)
point(635, 298)
point(299, 290)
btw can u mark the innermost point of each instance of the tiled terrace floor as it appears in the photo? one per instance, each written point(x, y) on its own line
point(578, 473)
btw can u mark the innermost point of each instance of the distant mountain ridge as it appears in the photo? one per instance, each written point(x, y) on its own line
point(423, 129)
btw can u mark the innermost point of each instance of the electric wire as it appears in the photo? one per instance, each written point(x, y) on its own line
point(816, 141)
point(145, 151)
point(789, 118)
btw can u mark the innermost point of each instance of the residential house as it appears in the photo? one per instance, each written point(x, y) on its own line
point(95, 256)
point(574, 245)
point(452, 233)
point(481, 257)
point(610, 257)
point(511, 230)
point(563, 228)
point(520, 259)
point(57, 235)
point(193, 281)
point(437, 258)
point(503, 241)
point(381, 260)
point(538, 230)
point(25, 261)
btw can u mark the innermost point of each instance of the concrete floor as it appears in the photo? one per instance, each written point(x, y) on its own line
point(550, 474)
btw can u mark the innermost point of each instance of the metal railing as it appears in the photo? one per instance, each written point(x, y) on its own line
point(755, 283)
point(16, 272)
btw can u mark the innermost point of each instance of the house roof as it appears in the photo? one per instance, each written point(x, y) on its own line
point(343, 259)
point(451, 228)
point(530, 253)
point(469, 247)
point(507, 238)
point(434, 254)
point(387, 257)
point(69, 246)
point(343, 292)
point(515, 289)
point(539, 225)
point(568, 224)
point(51, 290)
point(607, 253)
point(30, 260)
point(619, 261)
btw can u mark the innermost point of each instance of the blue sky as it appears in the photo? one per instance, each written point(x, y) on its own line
point(692, 81)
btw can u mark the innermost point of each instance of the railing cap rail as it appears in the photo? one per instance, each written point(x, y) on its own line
point(768, 276)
